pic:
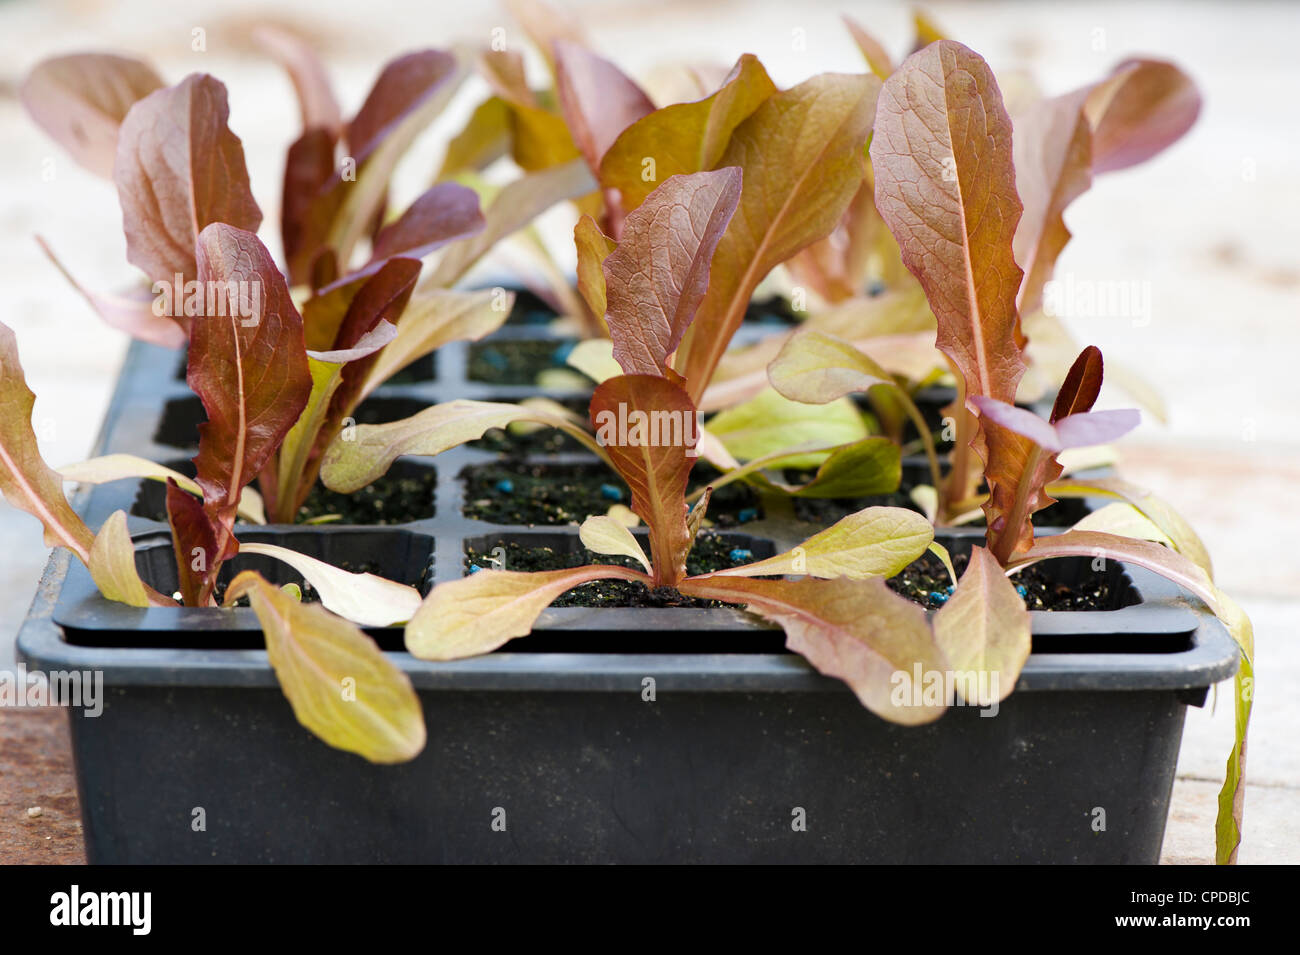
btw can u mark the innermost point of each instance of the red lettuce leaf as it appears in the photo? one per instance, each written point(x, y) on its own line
point(656, 277)
point(250, 371)
point(81, 99)
point(598, 99)
point(179, 169)
point(648, 425)
point(194, 541)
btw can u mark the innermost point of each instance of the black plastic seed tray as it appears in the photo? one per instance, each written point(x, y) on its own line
point(556, 732)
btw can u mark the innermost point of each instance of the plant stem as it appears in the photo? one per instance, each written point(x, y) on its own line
point(1003, 542)
point(927, 439)
point(957, 487)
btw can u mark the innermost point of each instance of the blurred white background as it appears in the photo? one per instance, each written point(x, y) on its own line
point(1211, 225)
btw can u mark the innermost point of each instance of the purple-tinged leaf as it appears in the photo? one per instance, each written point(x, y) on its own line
point(442, 214)
point(657, 276)
point(249, 370)
point(131, 312)
point(81, 99)
point(1073, 431)
point(946, 187)
point(1141, 109)
point(647, 425)
point(409, 93)
point(1096, 427)
point(877, 56)
point(801, 154)
point(1082, 385)
point(194, 542)
point(598, 99)
point(1053, 154)
point(515, 206)
point(306, 211)
point(1020, 420)
point(402, 86)
point(1020, 459)
point(858, 631)
point(180, 168)
point(320, 110)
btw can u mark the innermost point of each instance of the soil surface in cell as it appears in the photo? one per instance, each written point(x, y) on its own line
point(925, 581)
point(309, 593)
point(530, 310)
point(421, 370)
point(1064, 513)
point(526, 492)
point(504, 362)
point(711, 552)
point(392, 499)
point(517, 441)
point(774, 310)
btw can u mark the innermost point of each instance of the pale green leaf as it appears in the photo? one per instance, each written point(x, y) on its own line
point(984, 631)
point(605, 535)
point(1126, 521)
point(1185, 539)
point(365, 599)
point(945, 558)
point(1185, 572)
point(765, 424)
point(116, 467)
point(593, 248)
point(683, 137)
point(477, 614)
point(26, 481)
point(926, 498)
point(873, 542)
point(870, 466)
point(112, 564)
point(1233, 794)
point(431, 319)
point(359, 456)
point(595, 359)
point(340, 684)
point(816, 368)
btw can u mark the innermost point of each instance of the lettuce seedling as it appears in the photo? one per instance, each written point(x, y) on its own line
point(310, 648)
point(797, 158)
point(945, 184)
point(179, 170)
point(839, 613)
point(587, 103)
point(1060, 144)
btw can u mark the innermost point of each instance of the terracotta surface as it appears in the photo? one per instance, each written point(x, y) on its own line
point(36, 771)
